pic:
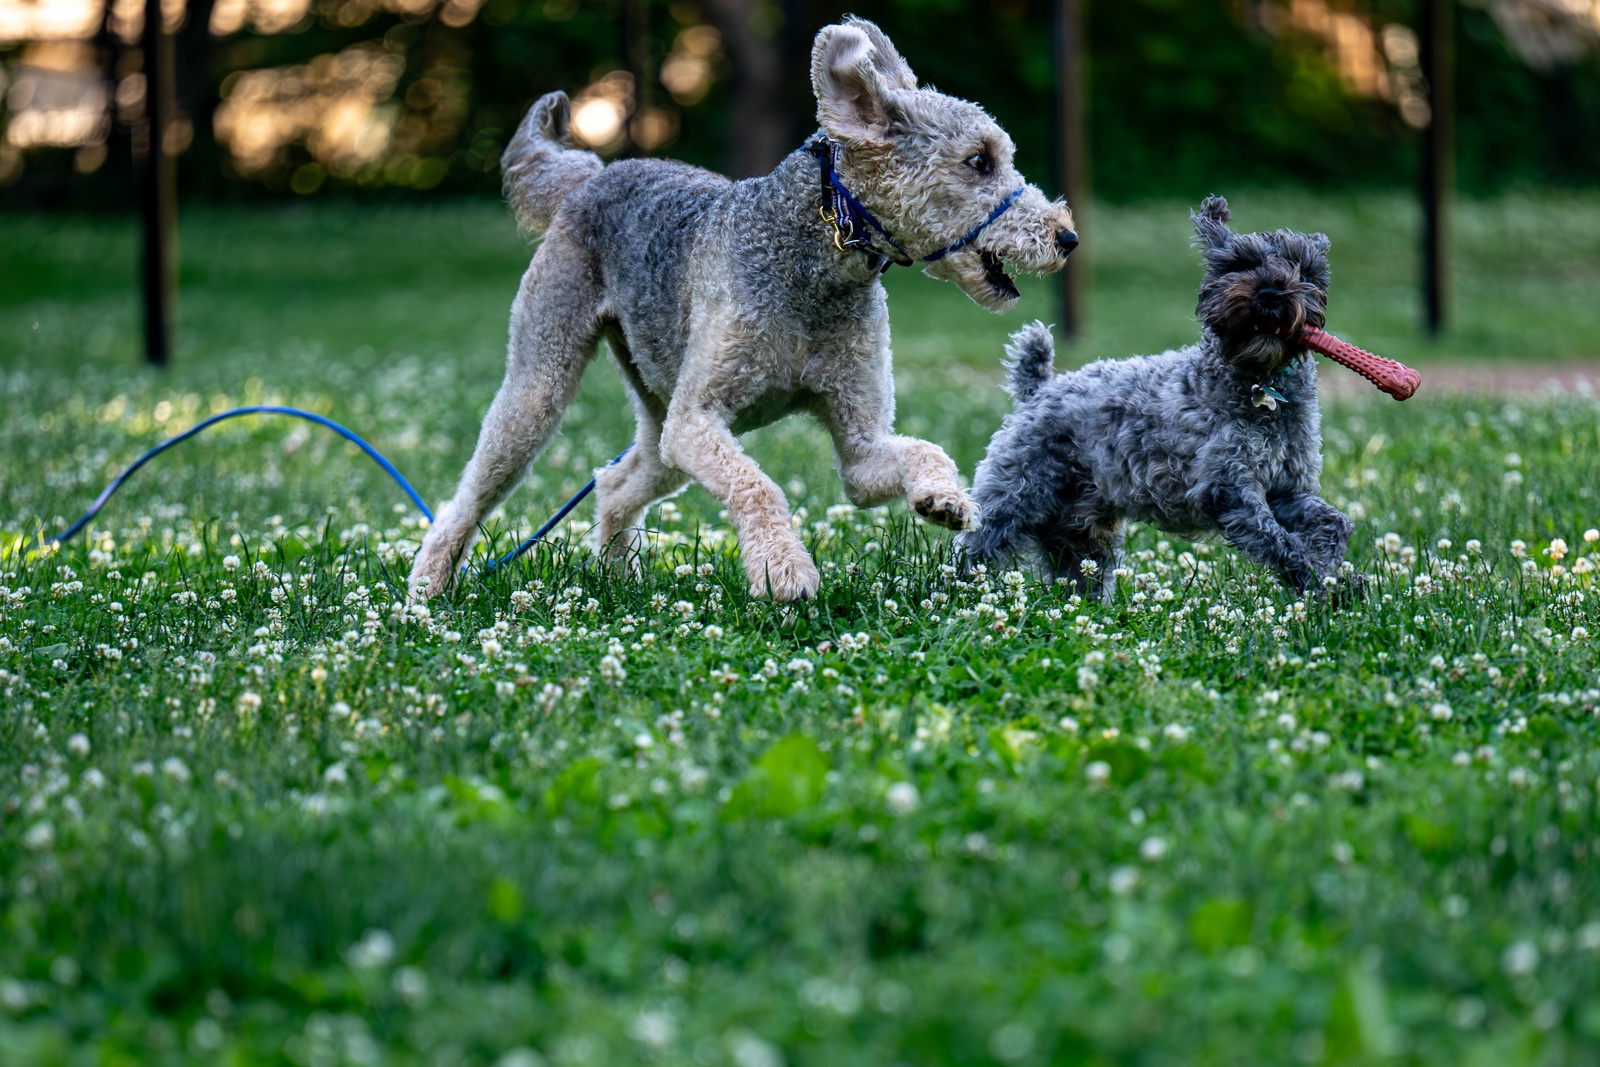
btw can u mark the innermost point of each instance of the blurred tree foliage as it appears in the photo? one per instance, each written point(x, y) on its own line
point(1185, 96)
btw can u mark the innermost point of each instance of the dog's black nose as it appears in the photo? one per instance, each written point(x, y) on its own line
point(1066, 240)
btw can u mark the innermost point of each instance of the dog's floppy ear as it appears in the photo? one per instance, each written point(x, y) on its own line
point(854, 100)
point(895, 71)
point(1211, 223)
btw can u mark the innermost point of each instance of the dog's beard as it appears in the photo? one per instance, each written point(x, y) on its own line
point(980, 274)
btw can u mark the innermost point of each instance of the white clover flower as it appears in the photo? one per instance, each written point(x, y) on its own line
point(1580, 633)
point(1174, 731)
point(1557, 549)
point(375, 949)
point(655, 1029)
point(1591, 535)
point(1441, 712)
point(176, 769)
point(335, 774)
point(683, 570)
point(611, 669)
point(1098, 772)
point(1474, 546)
point(712, 632)
point(800, 667)
point(411, 984)
point(1123, 880)
point(1519, 548)
point(40, 837)
point(1068, 724)
point(249, 703)
point(1519, 958)
point(902, 798)
point(78, 745)
point(1349, 781)
point(230, 563)
point(1153, 849)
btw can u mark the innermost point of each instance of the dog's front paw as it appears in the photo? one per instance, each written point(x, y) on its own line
point(431, 576)
point(787, 576)
point(950, 508)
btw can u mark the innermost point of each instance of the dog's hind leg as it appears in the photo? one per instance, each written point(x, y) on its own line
point(554, 332)
point(624, 489)
point(1085, 558)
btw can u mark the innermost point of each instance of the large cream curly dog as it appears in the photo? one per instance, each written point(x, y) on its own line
point(728, 305)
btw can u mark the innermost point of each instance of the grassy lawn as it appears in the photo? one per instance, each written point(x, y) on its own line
point(251, 812)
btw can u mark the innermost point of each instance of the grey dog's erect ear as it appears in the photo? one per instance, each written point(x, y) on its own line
point(895, 71)
point(1211, 223)
point(854, 95)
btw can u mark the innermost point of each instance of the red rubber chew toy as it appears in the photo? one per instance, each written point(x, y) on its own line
point(1396, 379)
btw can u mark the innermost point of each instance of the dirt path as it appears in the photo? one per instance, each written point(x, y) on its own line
point(1516, 378)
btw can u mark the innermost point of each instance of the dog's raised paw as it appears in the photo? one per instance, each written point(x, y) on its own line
point(952, 510)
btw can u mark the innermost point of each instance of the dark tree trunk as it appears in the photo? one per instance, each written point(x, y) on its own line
point(1438, 161)
point(763, 129)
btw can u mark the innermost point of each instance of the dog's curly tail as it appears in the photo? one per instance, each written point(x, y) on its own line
point(1030, 360)
point(539, 168)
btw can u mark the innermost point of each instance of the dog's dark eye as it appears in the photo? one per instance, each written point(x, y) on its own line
point(981, 162)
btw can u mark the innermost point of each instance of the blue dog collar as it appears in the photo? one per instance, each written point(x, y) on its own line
point(851, 220)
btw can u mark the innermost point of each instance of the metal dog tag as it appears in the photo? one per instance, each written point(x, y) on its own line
point(1264, 396)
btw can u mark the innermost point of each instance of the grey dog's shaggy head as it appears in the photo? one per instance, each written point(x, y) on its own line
point(1259, 289)
point(932, 167)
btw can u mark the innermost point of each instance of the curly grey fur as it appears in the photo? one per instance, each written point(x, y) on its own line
point(726, 306)
point(1175, 439)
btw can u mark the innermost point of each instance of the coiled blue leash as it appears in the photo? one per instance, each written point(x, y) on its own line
point(349, 435)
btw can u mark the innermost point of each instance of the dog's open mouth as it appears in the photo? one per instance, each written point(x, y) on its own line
point(994, 273)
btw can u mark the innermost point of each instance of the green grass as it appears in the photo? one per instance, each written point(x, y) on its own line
point(250, 813)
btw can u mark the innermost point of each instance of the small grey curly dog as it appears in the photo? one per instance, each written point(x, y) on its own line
point(1222, 436)
point(729, 305)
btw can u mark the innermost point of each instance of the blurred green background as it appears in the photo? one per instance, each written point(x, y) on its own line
point(388, 97)
point(296, 117)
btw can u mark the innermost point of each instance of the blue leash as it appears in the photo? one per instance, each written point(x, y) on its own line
point(349, 435)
